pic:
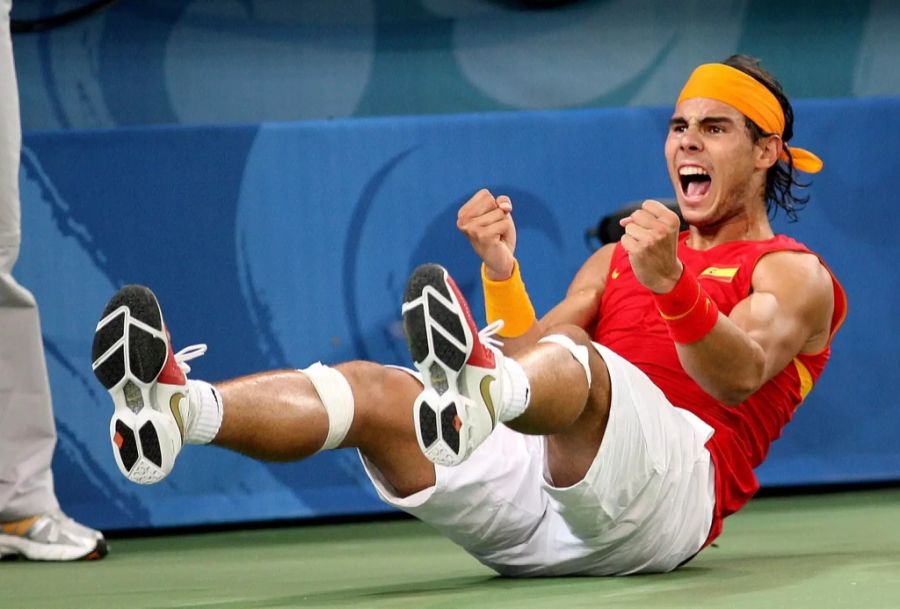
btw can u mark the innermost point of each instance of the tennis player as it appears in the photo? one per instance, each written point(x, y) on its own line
point(611, 436)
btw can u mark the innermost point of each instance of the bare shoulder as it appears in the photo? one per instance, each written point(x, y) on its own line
point(592, 274)
point(799, 271)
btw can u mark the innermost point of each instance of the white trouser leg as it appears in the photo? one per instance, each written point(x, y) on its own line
point(27, 429)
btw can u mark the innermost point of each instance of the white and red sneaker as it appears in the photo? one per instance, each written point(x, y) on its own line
point(133, 358)
point(462, 374)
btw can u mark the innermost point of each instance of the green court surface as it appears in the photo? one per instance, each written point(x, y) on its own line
point(822, 551)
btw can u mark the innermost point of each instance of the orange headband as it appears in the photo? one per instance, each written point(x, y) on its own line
point(750, 97)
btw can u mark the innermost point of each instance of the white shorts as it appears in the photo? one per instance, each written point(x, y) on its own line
point(645, 504)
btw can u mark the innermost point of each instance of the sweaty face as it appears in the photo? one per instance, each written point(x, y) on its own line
point(712, 161)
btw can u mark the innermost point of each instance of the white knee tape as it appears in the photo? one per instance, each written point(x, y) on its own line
point(579, 352)
point(337, 397)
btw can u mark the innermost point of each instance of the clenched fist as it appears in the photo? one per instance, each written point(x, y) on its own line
point(488, 224)
point(651, 240)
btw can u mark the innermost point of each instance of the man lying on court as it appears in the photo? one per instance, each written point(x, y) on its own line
point(613, 435)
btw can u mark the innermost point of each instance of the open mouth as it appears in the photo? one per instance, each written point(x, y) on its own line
point(695, 181)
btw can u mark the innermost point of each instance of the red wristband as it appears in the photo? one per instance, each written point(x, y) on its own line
point(687, 309)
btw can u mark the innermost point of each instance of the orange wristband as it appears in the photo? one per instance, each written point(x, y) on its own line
point(689, 312)
point(508, 300)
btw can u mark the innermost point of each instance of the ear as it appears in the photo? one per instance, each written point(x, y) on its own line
point(768, 150)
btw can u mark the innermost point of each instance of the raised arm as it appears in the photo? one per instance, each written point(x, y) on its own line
point(789, 311)
point(487, 223)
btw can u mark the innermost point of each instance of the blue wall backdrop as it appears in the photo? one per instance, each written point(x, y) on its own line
point(280, 244)
point(217, 61)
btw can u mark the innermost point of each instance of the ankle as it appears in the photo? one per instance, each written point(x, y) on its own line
point(516, 394)
point(204, 413)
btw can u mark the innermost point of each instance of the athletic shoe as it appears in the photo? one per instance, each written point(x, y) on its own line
point(461, 369)
point(132, 356)
point(52, 536)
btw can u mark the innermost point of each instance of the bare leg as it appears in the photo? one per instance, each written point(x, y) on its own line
point(278, 416)
point(572, 415)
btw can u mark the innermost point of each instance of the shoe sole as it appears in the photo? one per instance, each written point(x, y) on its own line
point(440, 343)
point(128, 353)
point(14, 548)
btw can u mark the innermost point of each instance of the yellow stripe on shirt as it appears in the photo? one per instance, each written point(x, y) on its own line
point(806, 380)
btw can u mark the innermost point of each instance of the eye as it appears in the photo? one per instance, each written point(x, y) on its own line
point(678, 128)
point(715, 129)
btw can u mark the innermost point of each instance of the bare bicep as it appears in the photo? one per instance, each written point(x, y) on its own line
point(789, 310)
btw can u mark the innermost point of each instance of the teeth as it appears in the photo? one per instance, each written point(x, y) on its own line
point(692, 170)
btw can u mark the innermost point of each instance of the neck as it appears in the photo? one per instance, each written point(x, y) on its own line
point(749, 223)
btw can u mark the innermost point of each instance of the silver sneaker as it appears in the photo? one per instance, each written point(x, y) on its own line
point(51, 536)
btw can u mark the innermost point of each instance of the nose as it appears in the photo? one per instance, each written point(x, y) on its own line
point(690, 139)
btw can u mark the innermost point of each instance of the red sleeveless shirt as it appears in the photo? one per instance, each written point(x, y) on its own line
point(630, 325)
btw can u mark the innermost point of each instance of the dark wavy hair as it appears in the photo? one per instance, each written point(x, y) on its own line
point(781, 177)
